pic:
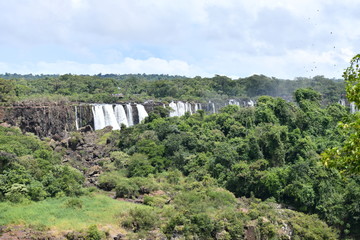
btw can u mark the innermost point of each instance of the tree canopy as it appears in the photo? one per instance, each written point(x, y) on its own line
point(347, 156)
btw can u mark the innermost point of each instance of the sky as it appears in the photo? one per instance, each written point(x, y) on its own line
point(237, 38)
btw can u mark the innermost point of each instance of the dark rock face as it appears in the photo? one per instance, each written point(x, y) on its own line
point(47, 119)
point(56, 119)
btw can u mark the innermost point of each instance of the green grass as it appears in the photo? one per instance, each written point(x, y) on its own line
point(55, 214)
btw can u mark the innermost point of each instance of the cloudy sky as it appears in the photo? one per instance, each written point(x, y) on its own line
point(237, 38)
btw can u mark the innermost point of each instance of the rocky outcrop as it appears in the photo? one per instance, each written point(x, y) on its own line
point(46, 119)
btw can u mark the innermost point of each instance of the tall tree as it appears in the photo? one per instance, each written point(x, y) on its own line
point(347, 157)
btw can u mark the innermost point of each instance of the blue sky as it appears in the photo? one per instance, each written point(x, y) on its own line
point(237, 38)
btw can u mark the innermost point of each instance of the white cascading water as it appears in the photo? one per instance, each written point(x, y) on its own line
point(76, 119)
point(141, 112)
point(99, 118)
point(121, 115)
point(110, 119)
point(251, 103)
point(181, 108)
point(353, 108)
point(108, 115)
point(342, 102)
point(234, 102)
point(188, 107)
point(174, 112)
point(129, 114)
point(213, 107)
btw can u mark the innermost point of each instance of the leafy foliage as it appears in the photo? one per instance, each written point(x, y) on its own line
point(29, 169)
point(347, 157)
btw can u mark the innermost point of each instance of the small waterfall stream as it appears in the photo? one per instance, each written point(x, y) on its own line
point(109, 115)
point(353, 108)
point(99, 117)
point(76, 118)
point(121, 115)
point(141, 112)
point(129, 114)
point(174, 113)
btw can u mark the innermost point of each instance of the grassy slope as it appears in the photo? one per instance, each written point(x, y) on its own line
point(54, 213)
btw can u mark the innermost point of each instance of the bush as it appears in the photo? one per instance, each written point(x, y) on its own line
point(139, 166)
point(108, 181)
point(156, 201)
point(126, 189)
point(36, 191)
point(120, 159)
point(93, 233)
point(17, 193)
point(74, 203)
point(146, 185)
point(140, 219)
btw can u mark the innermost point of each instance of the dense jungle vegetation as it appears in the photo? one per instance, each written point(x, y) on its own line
point(279, 170)
point(101, 88)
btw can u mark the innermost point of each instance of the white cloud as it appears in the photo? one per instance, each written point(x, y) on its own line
point(266, 36)
point(129, 65)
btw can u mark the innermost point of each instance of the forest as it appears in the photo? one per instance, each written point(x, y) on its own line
point(287, 168)
point(136, 87)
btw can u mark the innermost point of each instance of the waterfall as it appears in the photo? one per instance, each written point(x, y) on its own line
point(342, 102)
point(99, 119)
point(188, 108)
point(115, 115)
point(174, 112)
point(353, 108)
point(197, 106)
point(213, 107)
point(129, 114)
point(251, 103)
point(181, 108)
point(232, 102)
point(76, 119)
point(141, 112)
point(121, 115)
point(110, 119)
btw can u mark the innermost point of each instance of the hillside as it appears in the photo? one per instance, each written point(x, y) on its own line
point(245, 172)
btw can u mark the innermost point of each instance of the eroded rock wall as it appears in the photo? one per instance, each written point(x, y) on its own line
point(46, 119)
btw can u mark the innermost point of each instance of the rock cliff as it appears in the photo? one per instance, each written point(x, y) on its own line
point(46, 119)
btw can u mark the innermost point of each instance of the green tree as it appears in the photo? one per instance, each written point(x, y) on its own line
point(7, 90)
point(347, 157)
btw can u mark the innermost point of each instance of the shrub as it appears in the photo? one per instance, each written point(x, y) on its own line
point(140, 219)
point(36, 191)
point(146, 185)
point(126, 189)
point(120, 159)
point(156, 201)
point(108, 181)
point(17, 193)
point(93, 233)
point(74, 203)
point(139, 166)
